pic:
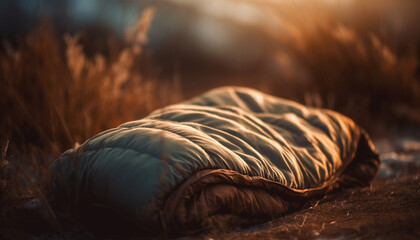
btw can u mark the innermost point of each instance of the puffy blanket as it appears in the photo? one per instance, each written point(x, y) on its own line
point(233, 156)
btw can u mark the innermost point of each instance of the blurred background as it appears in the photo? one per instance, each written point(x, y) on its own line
point(73, 68)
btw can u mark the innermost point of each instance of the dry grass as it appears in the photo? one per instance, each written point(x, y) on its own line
point(55, 96)
point(360, 58)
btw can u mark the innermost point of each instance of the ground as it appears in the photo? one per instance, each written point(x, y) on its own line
point(389, 209)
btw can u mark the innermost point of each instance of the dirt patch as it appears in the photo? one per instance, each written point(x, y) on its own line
point(389, 209)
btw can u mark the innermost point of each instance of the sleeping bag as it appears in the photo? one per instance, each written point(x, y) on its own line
point(233, 156)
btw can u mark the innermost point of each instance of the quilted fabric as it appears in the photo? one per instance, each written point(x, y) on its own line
point(232, 156)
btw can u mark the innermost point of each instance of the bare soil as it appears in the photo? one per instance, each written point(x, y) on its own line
point(389, 209)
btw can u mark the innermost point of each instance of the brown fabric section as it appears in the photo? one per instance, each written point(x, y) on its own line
point(363, 167)
point(214, 198)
